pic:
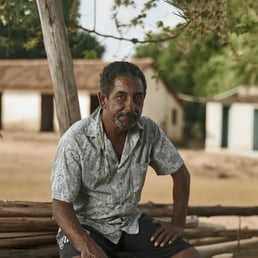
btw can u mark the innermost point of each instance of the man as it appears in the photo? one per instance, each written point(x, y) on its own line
point(99, 171)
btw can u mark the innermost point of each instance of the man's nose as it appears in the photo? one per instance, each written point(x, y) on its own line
point(130, 106)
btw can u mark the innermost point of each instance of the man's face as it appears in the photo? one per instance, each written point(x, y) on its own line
point(124, 104)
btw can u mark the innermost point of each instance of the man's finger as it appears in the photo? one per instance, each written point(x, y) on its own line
point(156, 233)
point(167, 238)
point(175, 236)
point(164, 238)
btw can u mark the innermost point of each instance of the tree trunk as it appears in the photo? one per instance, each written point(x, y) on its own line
point(60, 62)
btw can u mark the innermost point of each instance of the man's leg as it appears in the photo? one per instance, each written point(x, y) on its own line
point(67, 250)
point(141, 246)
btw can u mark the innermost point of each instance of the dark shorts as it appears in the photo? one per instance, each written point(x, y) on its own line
point(138, 244)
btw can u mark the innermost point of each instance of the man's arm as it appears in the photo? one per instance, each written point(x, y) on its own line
point(168, 232)
point(65, 217)
point(181, 188)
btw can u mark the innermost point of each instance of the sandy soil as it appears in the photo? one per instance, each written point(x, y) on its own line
point(216, 179)
point(25, 163)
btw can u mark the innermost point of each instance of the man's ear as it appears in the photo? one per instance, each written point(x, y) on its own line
point(102, 99)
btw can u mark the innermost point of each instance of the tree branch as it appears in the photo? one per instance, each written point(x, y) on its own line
point(135, 40)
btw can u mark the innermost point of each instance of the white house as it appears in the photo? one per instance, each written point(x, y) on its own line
point(26, 95)
point(232, 122)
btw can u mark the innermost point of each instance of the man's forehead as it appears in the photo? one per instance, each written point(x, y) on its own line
point(128, 81)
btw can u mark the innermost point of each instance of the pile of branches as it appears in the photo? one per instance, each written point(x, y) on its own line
point(27, 229)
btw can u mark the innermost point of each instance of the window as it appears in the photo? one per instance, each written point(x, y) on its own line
point(174, 116)
point(47, 113)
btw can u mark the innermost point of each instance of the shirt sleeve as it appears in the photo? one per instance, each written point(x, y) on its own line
point(66, 171)
point(165, 158)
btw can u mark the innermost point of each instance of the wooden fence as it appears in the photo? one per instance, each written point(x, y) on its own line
point(27, 229)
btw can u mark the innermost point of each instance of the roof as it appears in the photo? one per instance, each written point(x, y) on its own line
point(242, 94)
point(34, 74)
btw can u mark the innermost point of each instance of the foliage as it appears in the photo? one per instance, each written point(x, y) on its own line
point(216, 51)
point(213, 50)
point(21, 35)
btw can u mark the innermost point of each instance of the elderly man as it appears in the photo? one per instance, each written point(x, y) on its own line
point(99, 171)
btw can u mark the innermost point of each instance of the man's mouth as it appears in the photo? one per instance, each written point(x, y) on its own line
point(126, 120)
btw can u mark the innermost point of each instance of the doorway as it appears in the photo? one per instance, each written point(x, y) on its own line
point(225, 126)
point(255, 132)
point(47, 113)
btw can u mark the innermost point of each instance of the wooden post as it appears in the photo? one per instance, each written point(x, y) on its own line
point(60, 62)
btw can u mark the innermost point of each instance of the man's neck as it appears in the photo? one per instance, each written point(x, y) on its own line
point(116, 135)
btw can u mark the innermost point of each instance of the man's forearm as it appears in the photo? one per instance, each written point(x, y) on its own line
point(65, 217)
point(181, 188)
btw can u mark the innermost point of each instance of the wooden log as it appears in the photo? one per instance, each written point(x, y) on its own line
point(207, 211)
point(210, 226)
point(165, 210)
point(200, 233)
point(7, 235)
point(27, 224)
point(230, 247)
point(49, 251)
point(223, 256)
point(31, 223)
point(23, 208)
point(203, 237)
point(28, 241)
point(43, 224)
point(246, 254)
point(191, 221)
point(251, 253)
point(210, 240)
point(42, 209)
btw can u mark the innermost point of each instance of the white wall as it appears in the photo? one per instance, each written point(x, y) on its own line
point(159, 104)
point(174, 131)
point(84, 102)
point(241, 127)
point(240, 134)
point(155, 102)
point(213, 126)
point(21, 110)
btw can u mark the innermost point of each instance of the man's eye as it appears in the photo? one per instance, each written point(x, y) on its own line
point(121, 97)
point(138, 98)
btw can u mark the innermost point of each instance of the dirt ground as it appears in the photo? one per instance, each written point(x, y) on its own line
point(25, 163)
point(216, 179)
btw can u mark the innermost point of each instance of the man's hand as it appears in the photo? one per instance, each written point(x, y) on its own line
point(92, 250)
point(65, 217)
point(166, 233)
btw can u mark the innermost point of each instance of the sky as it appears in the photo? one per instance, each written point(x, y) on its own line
point(116, 49)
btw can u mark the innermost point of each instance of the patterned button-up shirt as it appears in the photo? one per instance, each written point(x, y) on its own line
point(105, 191)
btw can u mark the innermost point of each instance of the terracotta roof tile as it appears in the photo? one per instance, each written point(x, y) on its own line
point(34, 74)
